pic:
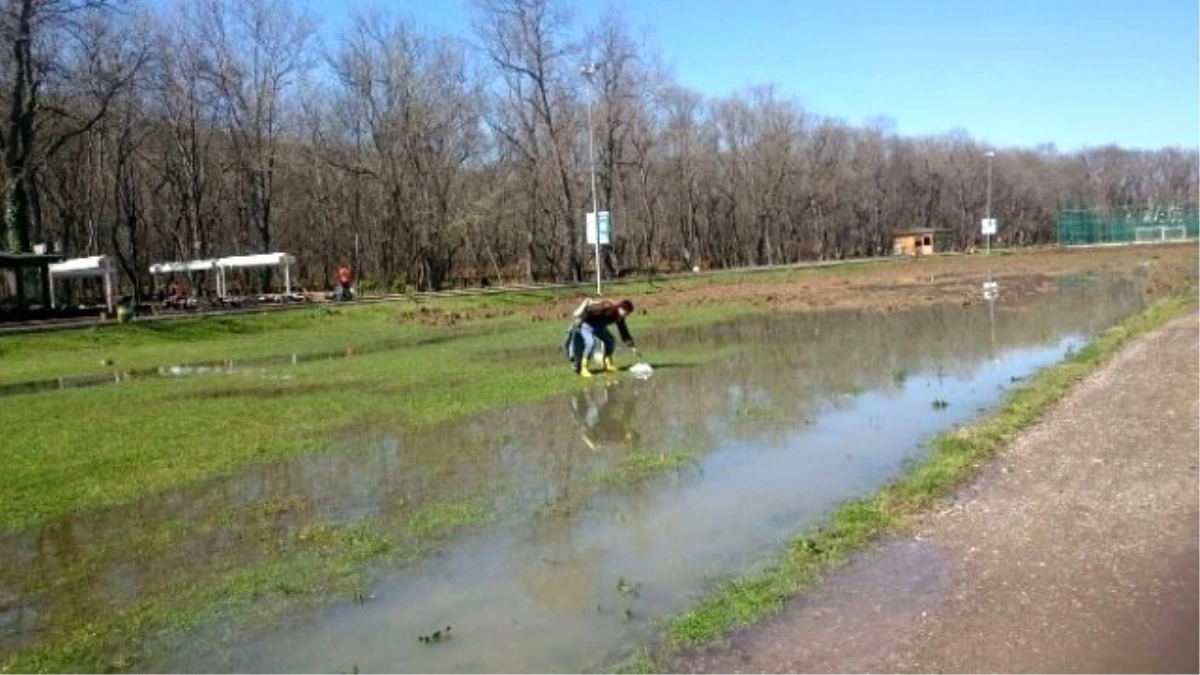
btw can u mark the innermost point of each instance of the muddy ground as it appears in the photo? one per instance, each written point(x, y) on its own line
point(893, 286)
point(1075, 551)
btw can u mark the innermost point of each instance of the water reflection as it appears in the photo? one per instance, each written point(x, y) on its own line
point(808, 409)
point(546, 595)
point(605, 413)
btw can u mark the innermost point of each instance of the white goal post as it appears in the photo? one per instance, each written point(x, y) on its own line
point(1147, 233)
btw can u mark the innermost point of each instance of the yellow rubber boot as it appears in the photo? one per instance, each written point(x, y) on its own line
point(584, 371)
point(609, 365)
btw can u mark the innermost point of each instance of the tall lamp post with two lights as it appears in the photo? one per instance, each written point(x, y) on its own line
point(593, 223)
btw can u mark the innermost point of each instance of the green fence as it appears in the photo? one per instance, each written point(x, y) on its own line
point(1127, 225)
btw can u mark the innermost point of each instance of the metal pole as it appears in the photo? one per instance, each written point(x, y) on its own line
point(992, 325)
point(989, 198)
point(108, 291)
point(988, 236)
point(588, 71)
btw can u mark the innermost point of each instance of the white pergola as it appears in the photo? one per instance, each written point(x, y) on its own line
point(284, 260)
point(185, 266)
point(94, 266)
point(220, 265)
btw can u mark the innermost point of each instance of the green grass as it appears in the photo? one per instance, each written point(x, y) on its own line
point(76, 450)
point(312, 562)
point(149, 344)
point(641, 465)
point(632, 469)
point(322, 560)
point(951, 459)
point(84, 450)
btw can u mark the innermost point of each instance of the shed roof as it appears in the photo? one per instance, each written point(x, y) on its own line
point(11, 260)
point(922, 230)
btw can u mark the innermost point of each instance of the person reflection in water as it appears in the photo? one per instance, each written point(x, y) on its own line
point(605, 414)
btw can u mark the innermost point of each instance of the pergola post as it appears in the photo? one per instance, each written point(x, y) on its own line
point(44, 281)
point(108, 290)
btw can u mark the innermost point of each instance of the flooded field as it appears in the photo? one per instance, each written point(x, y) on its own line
point(569, 558)
point(226, 367)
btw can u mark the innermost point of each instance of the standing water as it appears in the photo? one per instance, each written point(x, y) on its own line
point(808, 411)
point(795, 413)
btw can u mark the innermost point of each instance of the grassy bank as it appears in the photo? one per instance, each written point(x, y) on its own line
point(290, 560)
point(66, 451)
point(951, 459)
point(149, 344)
point(318, 562)
point(91, 460)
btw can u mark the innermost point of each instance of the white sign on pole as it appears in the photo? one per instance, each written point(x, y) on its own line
point(604, 228)
point(989, 225)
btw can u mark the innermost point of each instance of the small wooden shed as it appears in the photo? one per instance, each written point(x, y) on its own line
point(25, 279)
point(922, 241)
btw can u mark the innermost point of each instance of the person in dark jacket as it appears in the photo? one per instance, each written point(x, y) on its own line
point(594, 319)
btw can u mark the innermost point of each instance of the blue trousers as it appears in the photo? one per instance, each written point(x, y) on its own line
point(590, 334)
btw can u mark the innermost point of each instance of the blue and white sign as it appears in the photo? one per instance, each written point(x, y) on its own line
point(605, 228)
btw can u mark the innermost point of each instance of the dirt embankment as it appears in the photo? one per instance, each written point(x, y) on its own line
point(1075, 551)
point(893, 285)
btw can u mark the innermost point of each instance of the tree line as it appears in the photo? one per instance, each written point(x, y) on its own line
point(220, 127)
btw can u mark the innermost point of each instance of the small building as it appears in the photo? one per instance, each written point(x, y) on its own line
point(922, 241)
point(25, 280)
point(97, 266)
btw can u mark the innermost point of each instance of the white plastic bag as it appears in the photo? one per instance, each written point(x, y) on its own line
point(641, 370)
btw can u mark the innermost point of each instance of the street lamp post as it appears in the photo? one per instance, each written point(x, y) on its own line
point(588, 71)
point(989, 228)
point(990, 154)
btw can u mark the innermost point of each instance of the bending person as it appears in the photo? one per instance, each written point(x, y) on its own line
point(594, 321)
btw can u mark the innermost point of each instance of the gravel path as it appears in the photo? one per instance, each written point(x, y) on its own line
point(1076, 550)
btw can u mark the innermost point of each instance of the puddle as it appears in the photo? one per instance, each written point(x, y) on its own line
point(809, 410)
point(544, 596)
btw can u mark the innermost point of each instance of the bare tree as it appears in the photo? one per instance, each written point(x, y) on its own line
point(254, 51)
point(525, 41)
point(67, 63)
point(200, 134)
point(185, 106)
point(415, 100)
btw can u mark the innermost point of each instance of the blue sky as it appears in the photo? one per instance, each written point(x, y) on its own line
point(1011, 73)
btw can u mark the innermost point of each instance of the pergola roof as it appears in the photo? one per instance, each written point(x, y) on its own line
point(94, 266)
point(183, 266)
